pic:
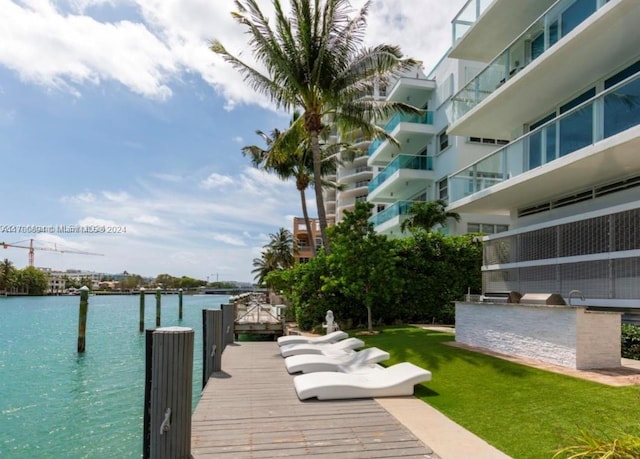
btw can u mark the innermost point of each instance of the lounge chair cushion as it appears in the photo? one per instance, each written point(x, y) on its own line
point(346, 363)
point(298, 339)
point(341, 347)
point(394, 381)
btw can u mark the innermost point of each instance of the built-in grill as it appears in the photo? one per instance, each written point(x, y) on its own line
point(542, 298)
point(501, 297)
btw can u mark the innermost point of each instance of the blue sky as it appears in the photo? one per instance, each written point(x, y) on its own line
point(114, 113)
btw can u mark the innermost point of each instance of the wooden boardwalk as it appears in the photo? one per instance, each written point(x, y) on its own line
point(250, 410)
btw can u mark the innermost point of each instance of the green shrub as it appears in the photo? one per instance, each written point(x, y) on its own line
point(600, 446)
point(631, 341)
point(416, 279)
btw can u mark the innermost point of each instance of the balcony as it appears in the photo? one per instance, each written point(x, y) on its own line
point(595, 142)
point(354, 189)
point(391, 214)
point(414, 91)
point(410, 131)
point(483, 28)
point(351, 172)
point(467, 17)
point(405, 176)
point(560, 53)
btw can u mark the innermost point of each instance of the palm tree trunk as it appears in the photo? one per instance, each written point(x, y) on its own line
point(317, 183)
point(307, 222)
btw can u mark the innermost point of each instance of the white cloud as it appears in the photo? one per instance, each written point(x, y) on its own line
point(121, 196)
point(80, 198)
point(168, 177)
point(146, 53)
point(148, 219)
point(238, 139)
point(228, 239)
point(215, 180)
point(65, 51)
point(188, 229)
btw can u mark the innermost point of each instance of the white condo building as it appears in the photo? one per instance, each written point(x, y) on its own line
point(560, 80)
point(417, 168)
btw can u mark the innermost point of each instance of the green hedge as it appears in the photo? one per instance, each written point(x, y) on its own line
point(430, 272)
point(631, 341)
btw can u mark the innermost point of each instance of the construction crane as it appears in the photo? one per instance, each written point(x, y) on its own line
point(32, 249)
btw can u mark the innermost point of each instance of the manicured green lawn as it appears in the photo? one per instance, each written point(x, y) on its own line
point(523, 411)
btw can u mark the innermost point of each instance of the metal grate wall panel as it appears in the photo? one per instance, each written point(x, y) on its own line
point(626, 230)
point(538, 245)
point(590, 277)
point(603, 279)
point(504, 280)
point(626, 278)
point(500, 251)
point(538, 279)
point(584, 237)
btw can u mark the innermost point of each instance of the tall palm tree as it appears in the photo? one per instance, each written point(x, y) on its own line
point(263, 266)
point(283, 247)
point(277, 254)
point(315, 61)
point(426, 215)
point(288, 154)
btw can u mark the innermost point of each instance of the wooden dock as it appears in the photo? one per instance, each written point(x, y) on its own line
point(258, 319)
point(250, 410)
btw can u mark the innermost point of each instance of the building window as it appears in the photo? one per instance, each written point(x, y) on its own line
point(486, 228)
point(488, 141)
point(443, 141)
point(443, 189)
point(304, 260)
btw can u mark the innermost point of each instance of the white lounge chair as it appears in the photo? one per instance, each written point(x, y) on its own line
point(324, 339)
point(341, 347)
point(394, 381)
point(346, 363)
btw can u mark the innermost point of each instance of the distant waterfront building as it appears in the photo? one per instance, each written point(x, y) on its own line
point(561, 82)
point(303, 238)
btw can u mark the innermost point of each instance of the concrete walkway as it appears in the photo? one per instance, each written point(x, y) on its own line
point(448, 439)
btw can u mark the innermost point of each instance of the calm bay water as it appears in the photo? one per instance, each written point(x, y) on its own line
point(55, 403)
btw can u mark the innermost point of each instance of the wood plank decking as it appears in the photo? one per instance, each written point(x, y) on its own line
point(250, 410)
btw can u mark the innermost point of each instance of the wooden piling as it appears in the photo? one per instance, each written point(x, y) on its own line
point(180, 304)
point(212, 343)
point(146, 416)
point(141, 309)
point(228, 322)
point(158, 305)
point(170, 396)
point(82, 322)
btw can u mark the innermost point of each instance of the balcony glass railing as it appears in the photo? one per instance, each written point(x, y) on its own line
point(395, 210)
point(425, 118)
point(555, 23)
point(420, 163)
point(467, 16)
point(354, 171)
point(609, 113)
